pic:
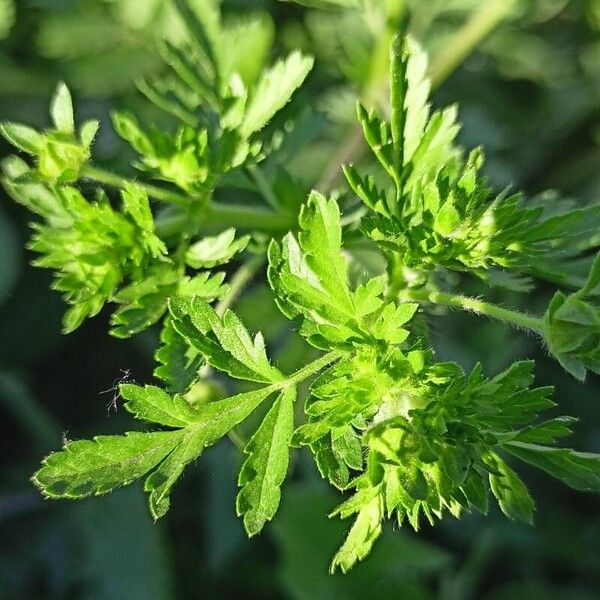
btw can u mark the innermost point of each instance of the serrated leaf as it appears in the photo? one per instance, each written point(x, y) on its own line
point(361, 537)
point(512, 494)
point(274, 90)
point(150, 403)
point(92, 467)
point(214, 421)
point(265, 468)
point(579, 470)
point(224, 341)
point(178, 362)
point(210, 252)
point(61, 110)
point(137, 204)
point(547, 432)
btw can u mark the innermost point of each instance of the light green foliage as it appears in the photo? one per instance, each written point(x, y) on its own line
point(105, 255)
point(263, 472)
point(84, 468)
point(60, 153)
point(212, 251)
point(223, 341)
point(572, 327)
point(406, 438)
point(309, 275)
point(92, 247)
point(206, 78)
point(273, 91)
point(440, 210)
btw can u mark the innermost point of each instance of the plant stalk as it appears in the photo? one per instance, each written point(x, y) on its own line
point(479, 307)
point(215, 214)
point(462, 44)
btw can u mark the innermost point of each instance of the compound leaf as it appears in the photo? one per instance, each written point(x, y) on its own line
point(214, 420)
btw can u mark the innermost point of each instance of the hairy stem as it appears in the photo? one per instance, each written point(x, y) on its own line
point(474, 305)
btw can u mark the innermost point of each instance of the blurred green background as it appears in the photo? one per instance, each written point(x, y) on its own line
point(529, 92)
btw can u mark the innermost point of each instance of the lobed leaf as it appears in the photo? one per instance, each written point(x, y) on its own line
point(265, 468)
point(150, 403)
point(579, 470)
point(274, 90)
point(93, 467)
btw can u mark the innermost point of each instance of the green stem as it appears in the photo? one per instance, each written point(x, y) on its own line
point(468, 37)
point(215, 215)
point(116, 181)
point(480, 307)
point(219, 215)
point(310, 369)
point(239, 280)
point(263, 185)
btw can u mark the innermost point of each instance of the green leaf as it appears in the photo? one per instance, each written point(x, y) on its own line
point(88, 132)
point(547, 432)
point(178, 362)
point(363, 534)
point(321, 241)
point(202, 19)
point(214, 421)
point(61, 110)
point(579, 470)
point(225, 342)
point(127, 127)
point(447, 219)
point(593, 279)
point(210, 252)
point(309, 275)
point(265, 468)
point(511, 493)
point(137, 204)
point(22, 137)
point(153, 404)
point(274, 90)
point(93, 467)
